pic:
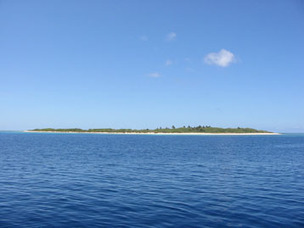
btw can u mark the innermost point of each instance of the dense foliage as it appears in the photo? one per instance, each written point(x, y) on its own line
point(173, 129)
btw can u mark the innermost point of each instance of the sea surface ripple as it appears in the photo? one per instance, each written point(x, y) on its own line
point(87, 180)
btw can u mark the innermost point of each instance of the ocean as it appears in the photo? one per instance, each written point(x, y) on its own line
point(99, 180)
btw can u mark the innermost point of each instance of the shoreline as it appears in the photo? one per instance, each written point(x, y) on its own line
point(150, 133)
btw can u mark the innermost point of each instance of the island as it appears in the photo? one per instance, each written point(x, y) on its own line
point(189, 130)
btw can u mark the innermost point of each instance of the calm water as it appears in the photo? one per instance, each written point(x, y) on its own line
point(86, 180)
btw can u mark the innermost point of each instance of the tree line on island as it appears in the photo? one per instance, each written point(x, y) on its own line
point(173, 129)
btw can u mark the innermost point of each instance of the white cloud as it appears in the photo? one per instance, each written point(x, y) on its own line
point(188, 60)
point(168, 62)
point(171, 36)
point(223, 58)
point(154, 75)
point(144, 38)
point(189, 69)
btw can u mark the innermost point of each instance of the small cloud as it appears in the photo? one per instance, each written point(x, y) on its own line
point(188, 60)
point(189, 69)
point(168, 62)
point(154, 75)
point(223, 58)
point(144, 38)
point(171, 36)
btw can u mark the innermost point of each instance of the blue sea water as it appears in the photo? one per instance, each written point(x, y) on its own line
point(92, 180)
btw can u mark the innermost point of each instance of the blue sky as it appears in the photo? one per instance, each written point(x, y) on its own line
point(145, 64)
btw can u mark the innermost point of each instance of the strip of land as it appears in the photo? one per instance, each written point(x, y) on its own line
point(199, 130)
point(153, 133)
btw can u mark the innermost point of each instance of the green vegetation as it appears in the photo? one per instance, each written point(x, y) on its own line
point(173, 129)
